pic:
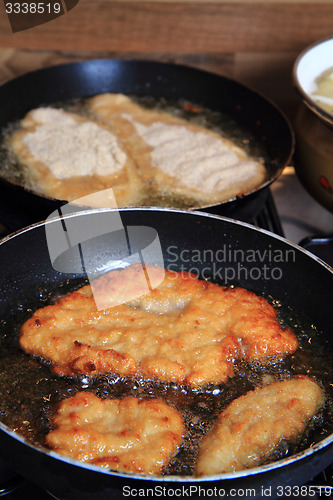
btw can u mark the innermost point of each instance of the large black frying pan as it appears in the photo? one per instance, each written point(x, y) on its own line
point(259, 119)
point(297, 279)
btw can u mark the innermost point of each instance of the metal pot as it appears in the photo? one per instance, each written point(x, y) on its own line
point(314, 124)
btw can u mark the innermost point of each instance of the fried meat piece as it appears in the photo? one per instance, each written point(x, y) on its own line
point(252, 426)
point(179, 156)
point(128, 435)
point(185, 330)
point(67, 156)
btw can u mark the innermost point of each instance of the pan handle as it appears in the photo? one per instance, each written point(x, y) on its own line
point(322, 246)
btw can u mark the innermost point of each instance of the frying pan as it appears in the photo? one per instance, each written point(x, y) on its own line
point(302, 283)
point(258, 119)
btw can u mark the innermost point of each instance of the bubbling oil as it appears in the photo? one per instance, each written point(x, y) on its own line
point(30, 392)
point(13, 170)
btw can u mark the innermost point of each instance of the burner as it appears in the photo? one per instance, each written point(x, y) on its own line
point(268, 217)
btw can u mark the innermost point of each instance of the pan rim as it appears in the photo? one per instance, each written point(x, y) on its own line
point(196, 213)
point(171, 478)
point(270, 467)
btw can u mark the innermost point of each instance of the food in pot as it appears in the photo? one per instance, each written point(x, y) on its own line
point(185, 330)
point(323, 92)
point(253, 425)
point(178, 156)
point(70, 156)
point(130, 434)
point(147, 155)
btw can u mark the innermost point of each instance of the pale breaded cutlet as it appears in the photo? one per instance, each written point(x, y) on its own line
point(186, 330)
point(67, 156)
point(177, 156)
point(129, 434)
point(249, 430)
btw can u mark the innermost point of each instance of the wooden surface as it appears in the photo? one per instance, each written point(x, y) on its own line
point(253, 42)
point(179, 26)
point(267, 73)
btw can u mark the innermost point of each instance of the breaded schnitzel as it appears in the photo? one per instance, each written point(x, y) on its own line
point(253, 425)
point(178, 156)
point(186, 330)
point(142, 154)
point(128, 435)
point(67, 156)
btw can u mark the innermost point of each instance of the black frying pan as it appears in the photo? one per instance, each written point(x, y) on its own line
point(259, 119)
point(297, 279)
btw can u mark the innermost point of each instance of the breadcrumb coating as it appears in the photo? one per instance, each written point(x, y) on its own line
point(185, 330)
point(126, 434)
point(253, 425)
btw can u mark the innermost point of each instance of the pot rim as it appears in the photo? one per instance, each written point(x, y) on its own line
point(323, 115)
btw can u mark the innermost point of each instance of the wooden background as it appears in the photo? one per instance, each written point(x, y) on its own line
point(253, 42)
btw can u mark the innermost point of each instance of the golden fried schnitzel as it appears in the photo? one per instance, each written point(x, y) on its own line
point(252, 426)
point(128, 435)
point(185, 330)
